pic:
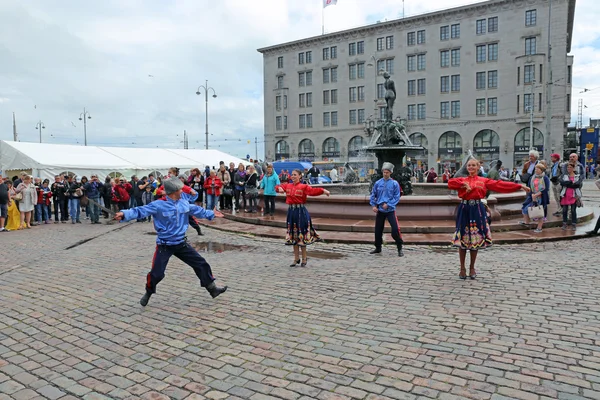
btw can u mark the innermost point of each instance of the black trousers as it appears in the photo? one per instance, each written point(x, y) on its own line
point(185, 253)
point(193, 223)
point(565, 214)
point(380, 219)
point(269, 204)
point(60, 205)
point(239, 193)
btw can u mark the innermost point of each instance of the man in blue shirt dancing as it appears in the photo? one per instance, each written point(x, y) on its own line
point(171, 223)
point(384, 198)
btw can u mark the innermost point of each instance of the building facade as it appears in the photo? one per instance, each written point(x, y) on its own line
point(467, 79)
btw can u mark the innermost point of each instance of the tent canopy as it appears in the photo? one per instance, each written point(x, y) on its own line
point(47, 160)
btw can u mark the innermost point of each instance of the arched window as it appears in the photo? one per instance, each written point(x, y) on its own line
point(116, 174)
point(66, 174)
point(418, 139)
point(486, 146)
point(450, 140)
point(522, 140)
point(306, 150)
point(331, 148)
point(356, 145)
point(282, 150)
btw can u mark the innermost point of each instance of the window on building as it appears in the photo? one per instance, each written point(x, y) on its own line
point(421, 62)
point(279, 82)
point(352, 71)
point(333, 52)
point(278, 103)
point(480, 106)
point(326, 53)
point(444, 84)
point(528, 102)
point(492, 79)
point(480, 27)
point(285, 101)
point(380, 44)
point(360, 47)
point(480, 80)
point(334, 96)
point(389, 66)
point(455, 83)
point(569, 73)
point(492, 24)
point(518, 104)
point(445, 110)
point(309, 121)
point(333, 74)
point(309, 57)
point(308, 78)
point(518, 75)
point(389, 42)
point(380, 65)
point(455, 31)
point(301, 79)
point(351, 49)
point(539, 102)
point(411, 39)
point(530, 46)
point(325, 96)
point(411, 87)
point(309, 99)
point(278, 124)
point(420, 37)
point(302, 121)
point(530, 17)
point(352, 95)
point(444, 58)
point(361, 116)
point(540, 76)
point(326, 73)
point(300, 58)
point(352, 118)
point(444, 33)
point(456, 109)
point(326, 119)
point(285, 122)
point(420, 111)
point(280, 62)
point(334, 118)
point(412, 112)
point(493, 52)
point(492, 106)
point(480, 54)
point(529, 76)
point(380, 91)
point(568, 103)
point(421, 87)
point(455, 56)
point(361, 93)
point(382, 113)
point(411, 63)
point(301, 100)
point(360, 70)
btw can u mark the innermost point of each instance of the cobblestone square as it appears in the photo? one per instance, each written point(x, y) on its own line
point(349, 326)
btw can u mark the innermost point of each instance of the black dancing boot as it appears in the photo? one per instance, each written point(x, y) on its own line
point(214, 290)
point(199, 231)
point(400, 252)
point(376, 251)
point(145, 298)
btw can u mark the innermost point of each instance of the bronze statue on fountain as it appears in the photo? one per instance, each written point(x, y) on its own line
point(392, 142)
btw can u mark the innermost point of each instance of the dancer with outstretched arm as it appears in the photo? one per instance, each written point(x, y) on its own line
point(171, 223)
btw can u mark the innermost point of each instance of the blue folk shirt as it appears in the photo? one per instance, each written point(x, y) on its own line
point(385, 192)
point(170, 218)
point(268, 184)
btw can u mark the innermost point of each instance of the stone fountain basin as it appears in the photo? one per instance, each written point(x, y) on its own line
point(425, 189)
point(435, 207)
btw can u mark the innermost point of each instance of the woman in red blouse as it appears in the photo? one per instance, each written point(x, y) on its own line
point(472, 229)
point(300, 231)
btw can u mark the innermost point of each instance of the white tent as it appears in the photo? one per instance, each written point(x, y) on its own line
point(46, 160)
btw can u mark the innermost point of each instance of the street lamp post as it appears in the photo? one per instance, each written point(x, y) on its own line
point(206, 90)
point(40, 125)
point(82, 117)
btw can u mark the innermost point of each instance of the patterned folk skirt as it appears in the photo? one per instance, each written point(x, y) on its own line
point(472, 227)
point(300, 231)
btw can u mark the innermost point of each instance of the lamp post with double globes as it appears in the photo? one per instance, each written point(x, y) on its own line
point(82, 117)
point(40, 125)
point(206, 90)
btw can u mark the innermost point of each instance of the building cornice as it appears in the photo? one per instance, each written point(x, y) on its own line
point(437, 17)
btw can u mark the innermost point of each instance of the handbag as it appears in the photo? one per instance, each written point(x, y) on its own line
point(228, 191)
point(252, 192)
point(84, 201)
point(78, 192)
point(579, 202)
point(18, 196)
point(535, 212)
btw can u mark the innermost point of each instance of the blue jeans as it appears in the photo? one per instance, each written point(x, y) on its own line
point(314, 181)
point(42, 212)
point(74, 209)
point(211, 201)
point(93, 209)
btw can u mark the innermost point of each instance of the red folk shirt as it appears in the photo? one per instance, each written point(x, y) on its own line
point(479, 187)
point(296, 193)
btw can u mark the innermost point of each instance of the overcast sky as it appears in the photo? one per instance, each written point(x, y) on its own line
point(59, 56)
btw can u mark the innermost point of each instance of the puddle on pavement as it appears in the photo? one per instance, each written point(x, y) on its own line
point(324, 255)
point(443, 250)
point(216, 247)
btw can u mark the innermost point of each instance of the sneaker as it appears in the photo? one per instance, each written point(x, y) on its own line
point(564, 227)
point(574, 227)
point(537, 230)
point(557, 214)
point(87, 217)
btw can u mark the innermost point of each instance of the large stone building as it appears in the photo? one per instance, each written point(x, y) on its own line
point(466, 79)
